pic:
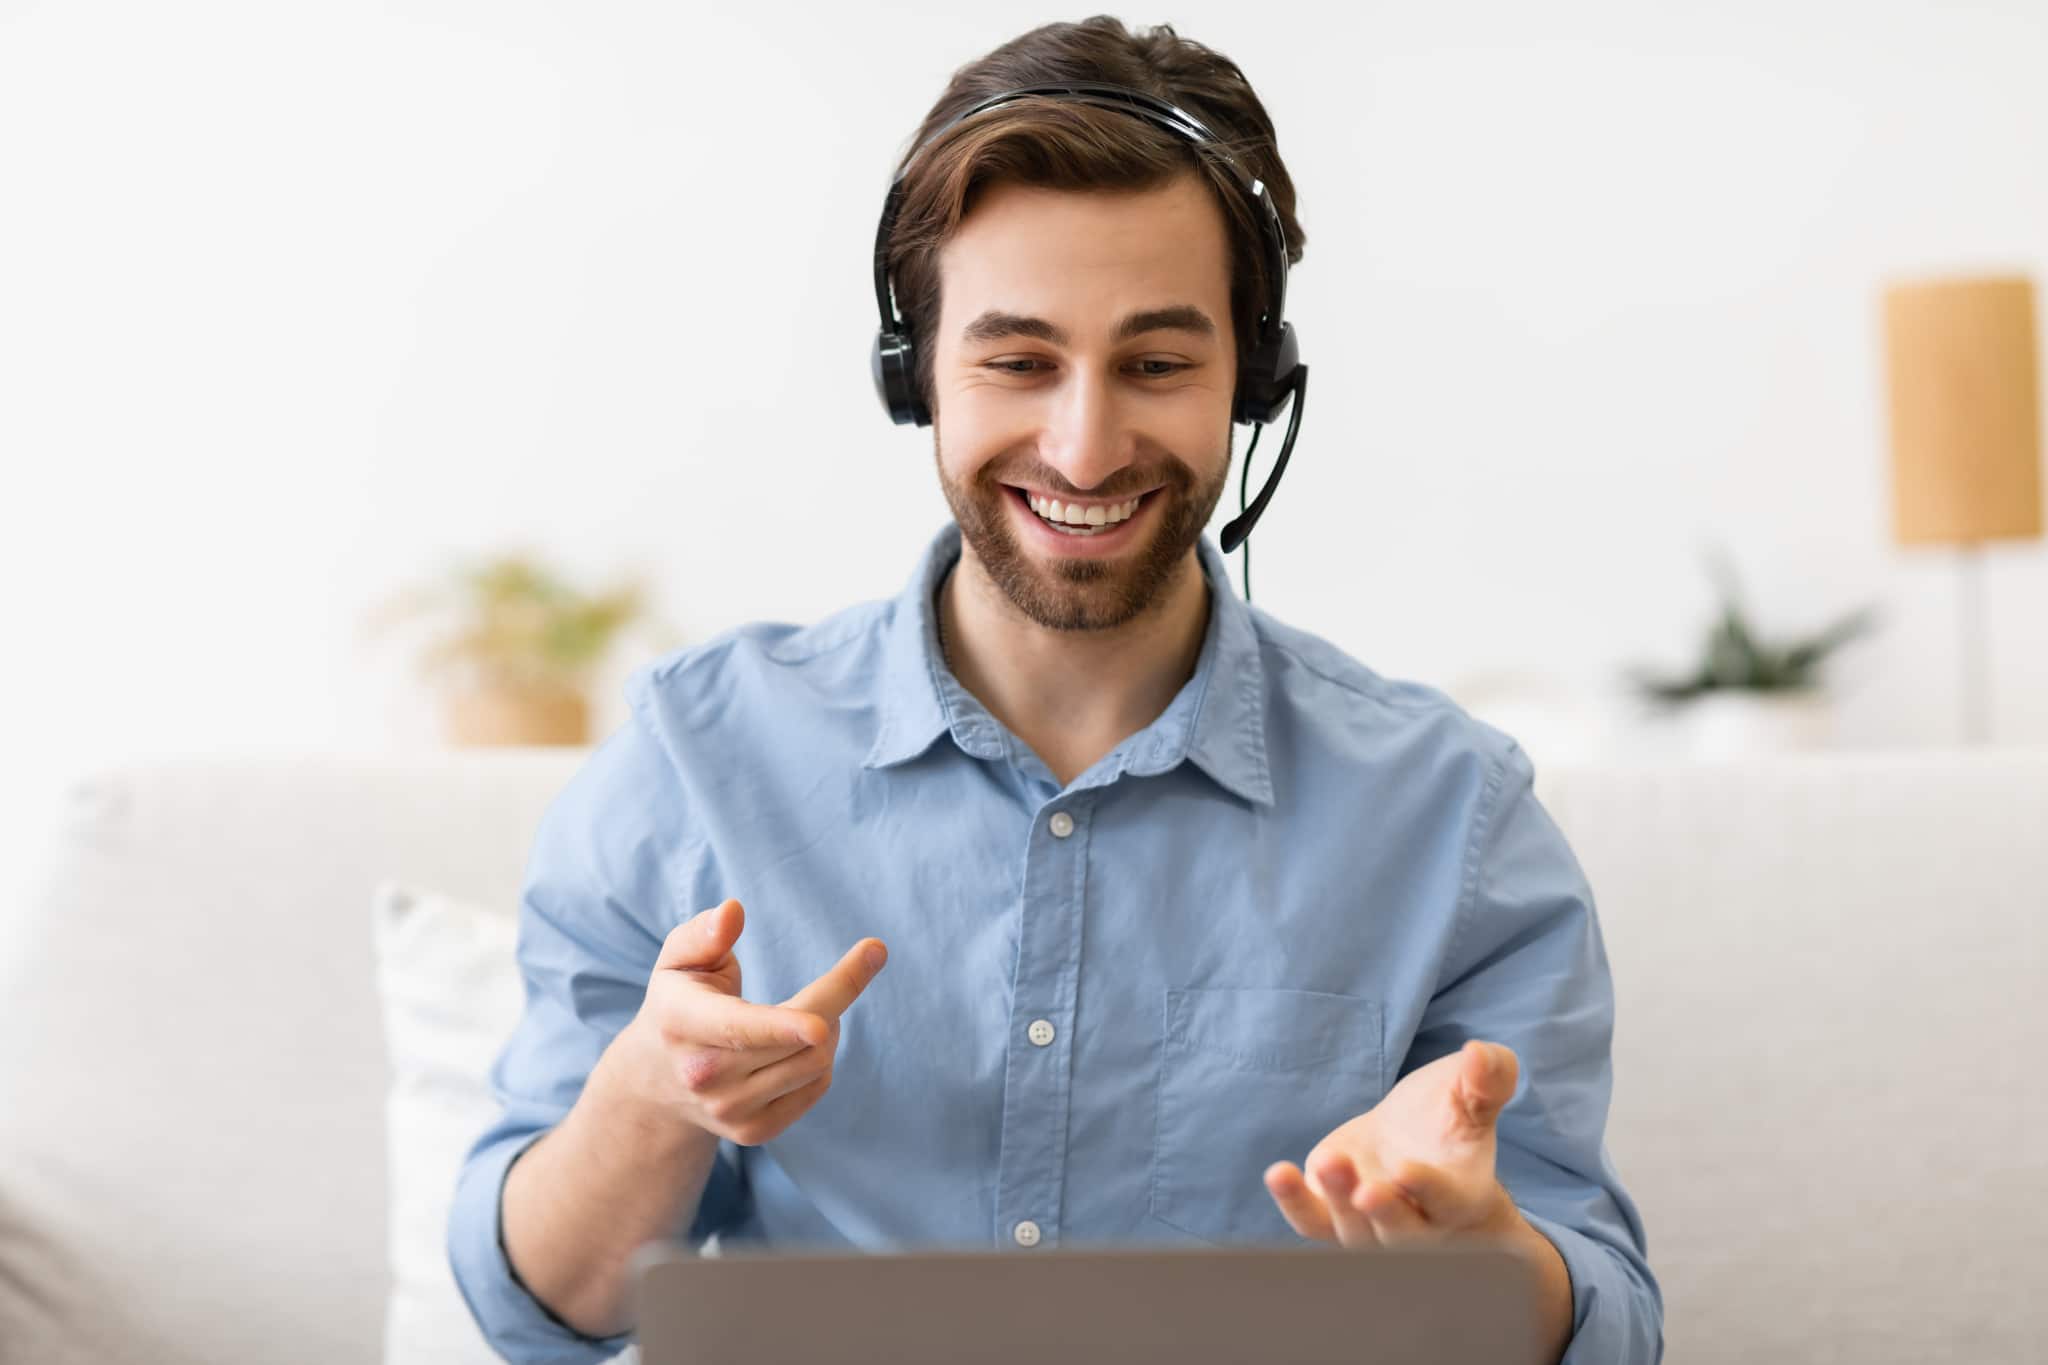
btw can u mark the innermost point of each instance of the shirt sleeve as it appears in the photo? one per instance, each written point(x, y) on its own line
point(1527, 968)
point(610, 865)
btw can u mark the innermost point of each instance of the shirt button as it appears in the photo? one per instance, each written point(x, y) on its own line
point(1062, 824)
point(1040, 1031)
point(1027, 1233)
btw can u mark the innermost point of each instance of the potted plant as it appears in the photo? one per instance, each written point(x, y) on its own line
point(516, 647)
point(1748, 694)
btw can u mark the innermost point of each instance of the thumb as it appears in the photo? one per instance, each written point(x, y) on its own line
point(1486, 1081)
point(703, 940)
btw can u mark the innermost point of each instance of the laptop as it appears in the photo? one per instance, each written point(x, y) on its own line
point(1312, 1305)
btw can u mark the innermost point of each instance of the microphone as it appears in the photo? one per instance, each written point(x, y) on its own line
point(1240, 526)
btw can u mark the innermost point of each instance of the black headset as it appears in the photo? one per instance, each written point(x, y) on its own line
point(1270, 373)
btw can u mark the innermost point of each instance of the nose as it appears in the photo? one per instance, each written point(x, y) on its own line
point(1086, 436)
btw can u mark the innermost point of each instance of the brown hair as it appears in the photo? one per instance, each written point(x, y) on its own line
point(1064, 145)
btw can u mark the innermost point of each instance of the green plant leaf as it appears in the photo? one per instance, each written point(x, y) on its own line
point(511, 620)
point(1735, 657)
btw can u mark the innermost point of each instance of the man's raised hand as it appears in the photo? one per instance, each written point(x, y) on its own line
point(1418, 1167)
point(698, 1053)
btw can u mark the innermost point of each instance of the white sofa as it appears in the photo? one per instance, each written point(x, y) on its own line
point(1830, 976)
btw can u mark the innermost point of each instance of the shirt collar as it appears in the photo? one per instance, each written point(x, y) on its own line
point(1217, 719)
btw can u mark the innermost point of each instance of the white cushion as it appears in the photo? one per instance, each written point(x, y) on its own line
point(449, 982)
point(450, 994)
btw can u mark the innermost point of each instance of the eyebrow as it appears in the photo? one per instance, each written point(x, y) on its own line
point(995, 325)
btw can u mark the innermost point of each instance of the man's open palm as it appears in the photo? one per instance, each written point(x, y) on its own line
point(1416, 1168)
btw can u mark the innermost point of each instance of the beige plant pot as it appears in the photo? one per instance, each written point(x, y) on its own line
point(499, 716)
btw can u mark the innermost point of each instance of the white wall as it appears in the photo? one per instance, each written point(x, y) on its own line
point(297, 301)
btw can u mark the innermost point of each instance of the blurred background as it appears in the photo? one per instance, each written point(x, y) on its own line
point(308, 309)
point(381, 384)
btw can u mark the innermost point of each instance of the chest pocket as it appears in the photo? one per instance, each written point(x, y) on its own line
point(1247, 1078)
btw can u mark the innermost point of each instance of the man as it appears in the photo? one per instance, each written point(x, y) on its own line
point(1199, 930)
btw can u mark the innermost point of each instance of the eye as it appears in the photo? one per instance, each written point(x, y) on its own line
point(1171, 367)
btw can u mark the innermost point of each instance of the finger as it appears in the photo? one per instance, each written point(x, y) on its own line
point(1486, 1083)
point(1395, 1220)
point(703, 940)
point(1298, 1204)
point(795, 1104)
point(709, 1019)
point(776, 1079)
point(1333, 1177)
point(831, 993)
point(1431, 1191)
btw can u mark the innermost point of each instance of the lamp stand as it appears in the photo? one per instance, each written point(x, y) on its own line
point(1976, 701)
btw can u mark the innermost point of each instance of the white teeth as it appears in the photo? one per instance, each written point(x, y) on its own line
point(1073, 514)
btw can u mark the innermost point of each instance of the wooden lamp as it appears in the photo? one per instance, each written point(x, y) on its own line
point(1964, 381)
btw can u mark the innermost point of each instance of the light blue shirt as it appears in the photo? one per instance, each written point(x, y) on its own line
point(1108, 1007)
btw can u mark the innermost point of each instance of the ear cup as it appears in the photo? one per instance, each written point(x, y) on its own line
point(895, 369)
point(1266, 379)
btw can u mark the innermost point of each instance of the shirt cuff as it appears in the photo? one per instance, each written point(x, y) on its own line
point(1617, 1310)
point(518, 1326)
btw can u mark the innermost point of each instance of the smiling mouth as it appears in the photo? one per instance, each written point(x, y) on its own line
point(1116, 514)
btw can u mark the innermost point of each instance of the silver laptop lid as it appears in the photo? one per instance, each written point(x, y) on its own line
point(1191, 1306)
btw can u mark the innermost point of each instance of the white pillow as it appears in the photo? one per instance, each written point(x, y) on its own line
point(451, 992)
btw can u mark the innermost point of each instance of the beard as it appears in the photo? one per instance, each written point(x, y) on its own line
point(1068, 593)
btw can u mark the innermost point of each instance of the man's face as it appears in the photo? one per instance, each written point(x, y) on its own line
point(1084, 354)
